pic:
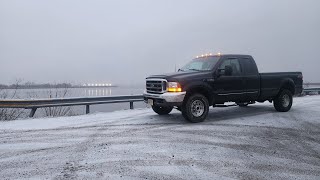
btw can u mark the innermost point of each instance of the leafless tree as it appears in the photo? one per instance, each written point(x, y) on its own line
point(57, 92)
point(11, 113)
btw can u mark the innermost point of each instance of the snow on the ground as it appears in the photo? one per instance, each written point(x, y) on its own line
point(233, 143)
point(264, 111)
point(69, 121)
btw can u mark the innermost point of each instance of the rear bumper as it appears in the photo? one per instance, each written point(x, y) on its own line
point(298, 90)
point(166, 99)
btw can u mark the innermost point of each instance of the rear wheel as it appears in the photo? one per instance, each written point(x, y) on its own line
point(283, 101)
point(243, 104)
point(162, 110)
point(195, 108)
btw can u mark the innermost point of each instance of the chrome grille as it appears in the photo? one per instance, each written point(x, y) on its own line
point(156, 86)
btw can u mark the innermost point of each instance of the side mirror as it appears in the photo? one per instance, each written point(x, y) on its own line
point(228, 71)
point(220, 72)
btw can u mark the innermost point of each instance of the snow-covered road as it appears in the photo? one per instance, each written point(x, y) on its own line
point(234, 143)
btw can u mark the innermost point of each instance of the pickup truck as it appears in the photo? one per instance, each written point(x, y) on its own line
point(213, 80)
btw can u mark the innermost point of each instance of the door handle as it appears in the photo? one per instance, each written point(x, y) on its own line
point(209, 80)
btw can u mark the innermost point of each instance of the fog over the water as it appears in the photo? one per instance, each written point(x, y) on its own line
point(123, 41)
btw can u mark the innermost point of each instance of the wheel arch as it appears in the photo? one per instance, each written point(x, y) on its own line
point(289, 85)
point(201, 88)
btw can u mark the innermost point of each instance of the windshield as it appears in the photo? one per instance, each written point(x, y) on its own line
point(201, 64)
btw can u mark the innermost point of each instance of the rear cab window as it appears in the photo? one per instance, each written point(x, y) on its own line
point(249, 66)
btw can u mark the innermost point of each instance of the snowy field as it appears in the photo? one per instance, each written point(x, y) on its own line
point(234, 143)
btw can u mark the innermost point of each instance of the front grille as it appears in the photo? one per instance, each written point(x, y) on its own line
point(156, 86)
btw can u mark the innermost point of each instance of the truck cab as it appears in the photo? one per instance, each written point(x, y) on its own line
point(236, 78)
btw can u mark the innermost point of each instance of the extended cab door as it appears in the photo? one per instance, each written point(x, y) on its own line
point(251, 78)
point(230, 87)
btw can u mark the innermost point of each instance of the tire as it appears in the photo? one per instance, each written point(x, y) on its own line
point(283, 101)
point(195, 108)
point(162, 110)
point(243, 104)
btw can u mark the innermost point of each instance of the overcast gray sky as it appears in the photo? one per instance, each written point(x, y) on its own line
point(123, 41)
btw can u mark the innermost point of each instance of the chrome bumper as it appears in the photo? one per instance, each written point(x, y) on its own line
point(172, 97)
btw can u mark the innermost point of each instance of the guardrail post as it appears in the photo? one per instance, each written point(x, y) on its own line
point(131, 105)
point(33, 111)
point(87, 109)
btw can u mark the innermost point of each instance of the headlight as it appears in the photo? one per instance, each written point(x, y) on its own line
point(173, 87)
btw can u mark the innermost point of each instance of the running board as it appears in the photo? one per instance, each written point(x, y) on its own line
point(223, 105)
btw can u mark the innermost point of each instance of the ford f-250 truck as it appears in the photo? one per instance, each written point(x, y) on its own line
point(212, 80)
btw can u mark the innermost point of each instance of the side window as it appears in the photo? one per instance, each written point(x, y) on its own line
point(224, 64)
point(235, 65)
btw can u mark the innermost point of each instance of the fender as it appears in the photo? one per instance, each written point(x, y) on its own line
point(201, 86)
point(287, 83)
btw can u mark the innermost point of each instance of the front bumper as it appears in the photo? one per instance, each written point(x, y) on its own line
point(166, 99)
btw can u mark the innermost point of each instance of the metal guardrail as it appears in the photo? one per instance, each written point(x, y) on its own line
point(87, 101)
point(309, 90)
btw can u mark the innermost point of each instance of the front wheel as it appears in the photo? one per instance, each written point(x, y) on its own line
point(195, 109)
point(283, 101)
point(162, 110)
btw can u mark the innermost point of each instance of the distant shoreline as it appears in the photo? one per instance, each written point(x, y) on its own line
point(72, 87)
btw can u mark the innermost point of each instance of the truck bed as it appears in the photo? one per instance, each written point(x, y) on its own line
point(271, 83)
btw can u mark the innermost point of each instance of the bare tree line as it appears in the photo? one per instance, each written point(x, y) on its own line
point(32, 85)
point(54, 91)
